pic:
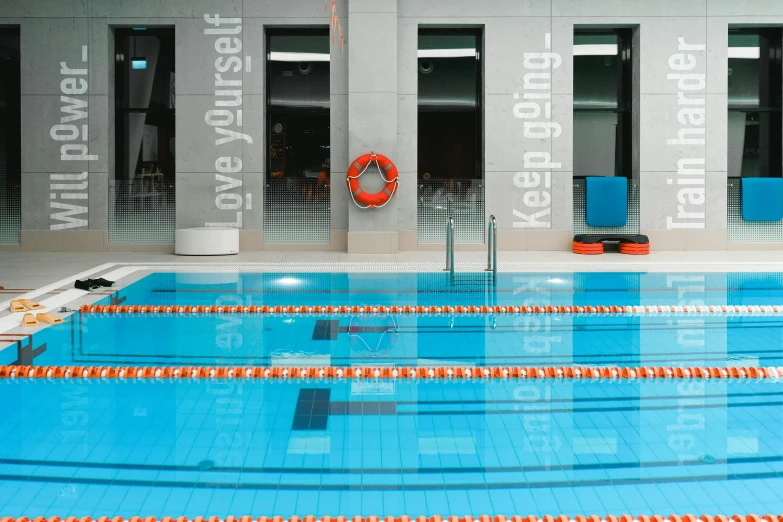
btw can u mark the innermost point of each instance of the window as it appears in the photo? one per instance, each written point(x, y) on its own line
point(602, 103)
point(450, 134)
point(754, 119)
point(145, 168)
point(296, 202)
point(449, 105)
point(10, 136)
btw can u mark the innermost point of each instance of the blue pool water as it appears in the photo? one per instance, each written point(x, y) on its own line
point(326, 448)
point(233, 288)
point(388, 447)
point(238, 340)
point(409, 341)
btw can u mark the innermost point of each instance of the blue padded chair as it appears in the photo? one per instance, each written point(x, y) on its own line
point(606, 201)
point(762, 199)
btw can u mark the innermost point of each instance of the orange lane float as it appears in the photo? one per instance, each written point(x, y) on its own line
point(435, 518)
point(386, 372)
point(433, 309)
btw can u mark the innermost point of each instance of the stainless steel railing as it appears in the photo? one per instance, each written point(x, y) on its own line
point(492, 247)
point(450, 246)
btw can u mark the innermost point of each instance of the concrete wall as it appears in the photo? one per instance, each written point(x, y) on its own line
point(373, 107)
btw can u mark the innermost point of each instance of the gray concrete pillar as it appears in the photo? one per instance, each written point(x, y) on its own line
point(64, 136)
point(220, 130)
point(682, 119)
point(372, 116)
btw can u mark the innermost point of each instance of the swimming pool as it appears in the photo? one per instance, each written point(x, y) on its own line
point(335, 340)
point(380, 446)
point(402, 340)
point(214, 448)
point(468, 288)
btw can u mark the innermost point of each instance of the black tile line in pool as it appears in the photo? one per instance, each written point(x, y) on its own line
point(116, 300)
point(457, 329)
point(451, 290)
point(596, 410)
point(567, 359)
point(313, 408)
point(328, 330)
point(26, 354)
point(392, 487)
point(623, 398)
point(731, 461)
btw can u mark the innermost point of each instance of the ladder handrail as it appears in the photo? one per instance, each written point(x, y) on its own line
point(450, 245)
point(492, 246)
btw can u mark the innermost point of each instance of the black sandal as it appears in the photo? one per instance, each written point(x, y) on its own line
point(87, 285)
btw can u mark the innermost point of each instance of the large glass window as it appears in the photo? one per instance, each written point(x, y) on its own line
point(296, 201)
point(602, 112)
point(142, 191)
point(450, 134)
point(754, 120)
point(10, 136)
point(602, 103)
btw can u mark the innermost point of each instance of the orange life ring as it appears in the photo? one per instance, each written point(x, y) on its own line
point(386, 169)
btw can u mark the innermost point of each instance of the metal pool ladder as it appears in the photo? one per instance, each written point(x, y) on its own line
point(450, 247)
point(492, 248)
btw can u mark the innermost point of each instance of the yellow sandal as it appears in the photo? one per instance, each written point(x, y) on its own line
point(29, 320)
point(17, 306)
point(49, 319)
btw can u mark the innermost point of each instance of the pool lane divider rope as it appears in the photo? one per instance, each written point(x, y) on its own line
point(358, 372)
point(405, 310)
point(435, 518)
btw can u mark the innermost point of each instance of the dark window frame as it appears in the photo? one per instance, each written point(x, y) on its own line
point(121, 91)
point(479, 34)
point(13, 120)
point(269, 32)
point(624, 148)
point(770, 98)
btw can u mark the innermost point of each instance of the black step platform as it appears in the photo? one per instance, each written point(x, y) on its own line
point(589, 239)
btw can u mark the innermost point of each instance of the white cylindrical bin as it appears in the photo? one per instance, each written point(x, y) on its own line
point(206, 241)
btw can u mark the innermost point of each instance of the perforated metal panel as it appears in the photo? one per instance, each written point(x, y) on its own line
point(580, 220)
point(297, 210)
point(741, 230)
point(439, 199)
point(10, 213)
point(142, 211)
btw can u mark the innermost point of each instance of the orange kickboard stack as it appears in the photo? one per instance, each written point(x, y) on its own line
point(635, 248)
point(588, 248)
point(593, 244)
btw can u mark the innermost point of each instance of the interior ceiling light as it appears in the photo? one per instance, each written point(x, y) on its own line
point(595, 50)
point(447, 53)
point(298, 57)
point(138, 62)
point(751, 53)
